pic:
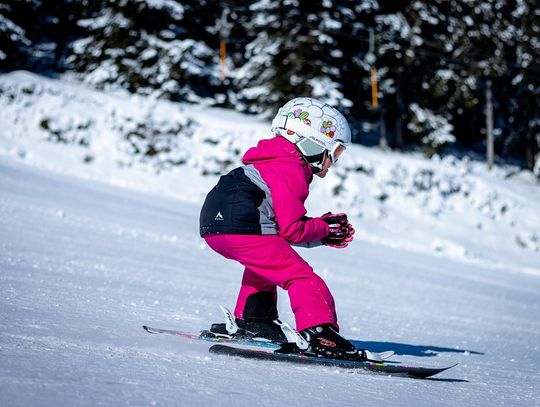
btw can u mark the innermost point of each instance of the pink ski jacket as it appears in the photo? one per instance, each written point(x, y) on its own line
point(265, 196)
point(288, 176)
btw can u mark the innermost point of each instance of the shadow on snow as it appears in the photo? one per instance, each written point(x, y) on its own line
point(408, 349)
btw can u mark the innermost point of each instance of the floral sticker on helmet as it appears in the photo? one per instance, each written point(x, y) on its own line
point(299, 114)
point(328, 128)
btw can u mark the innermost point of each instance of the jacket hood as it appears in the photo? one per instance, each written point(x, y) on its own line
point(275, 149)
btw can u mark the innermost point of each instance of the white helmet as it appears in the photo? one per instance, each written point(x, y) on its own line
point(314, 126)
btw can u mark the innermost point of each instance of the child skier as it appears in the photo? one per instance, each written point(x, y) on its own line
point(256, 212)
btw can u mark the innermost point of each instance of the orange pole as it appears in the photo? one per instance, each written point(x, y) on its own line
point(222, 58)
point(374, 98)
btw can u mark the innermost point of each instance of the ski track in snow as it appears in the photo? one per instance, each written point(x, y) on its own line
point(84, 265)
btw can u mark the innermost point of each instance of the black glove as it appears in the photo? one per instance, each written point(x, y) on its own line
point(341, 231)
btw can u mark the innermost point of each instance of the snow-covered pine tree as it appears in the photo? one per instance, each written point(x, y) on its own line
point(158, 48)
point(292, 53)
point(34, 33)
point(352, 42)
point(524, 107)
point(411, 61)
point(496, 40)
point(481, 40)
point(14, 42)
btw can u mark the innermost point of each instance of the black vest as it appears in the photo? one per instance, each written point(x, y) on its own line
point(232, 206)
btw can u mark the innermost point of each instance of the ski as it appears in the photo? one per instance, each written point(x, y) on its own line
point(233, 335)
point(256, 342)
point(210, 337)
point(382, 368)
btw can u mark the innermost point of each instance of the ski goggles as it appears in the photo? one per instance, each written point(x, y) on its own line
point(332, 154)
point(315, 151)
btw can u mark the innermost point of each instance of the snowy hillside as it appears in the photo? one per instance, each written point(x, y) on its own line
point(450, 207)
point(98, 235)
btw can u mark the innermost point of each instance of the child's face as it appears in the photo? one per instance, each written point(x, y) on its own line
point(327, 163)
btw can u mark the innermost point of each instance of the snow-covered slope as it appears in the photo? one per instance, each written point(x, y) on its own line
point(84, 265)
point(451, 207)
point(98, 235)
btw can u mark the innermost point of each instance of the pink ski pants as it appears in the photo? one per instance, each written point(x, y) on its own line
point(270, 261)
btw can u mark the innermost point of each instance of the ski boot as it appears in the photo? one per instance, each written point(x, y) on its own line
point(266, 330)
point(248, 329)
point(259, 320)
point(324, 341)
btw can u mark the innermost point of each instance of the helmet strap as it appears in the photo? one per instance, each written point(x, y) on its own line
point(315, 162)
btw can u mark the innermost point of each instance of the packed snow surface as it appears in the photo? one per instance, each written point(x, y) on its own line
point(97, 239)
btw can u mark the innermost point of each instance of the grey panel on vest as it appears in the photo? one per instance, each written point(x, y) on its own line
point(268, 224)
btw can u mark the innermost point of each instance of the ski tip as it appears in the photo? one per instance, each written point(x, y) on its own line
point(148, 329)
point(441, 369)
point(450, 366)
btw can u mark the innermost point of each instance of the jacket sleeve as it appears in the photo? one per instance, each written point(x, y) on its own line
point(288, 196)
